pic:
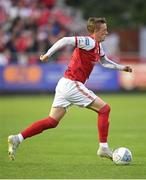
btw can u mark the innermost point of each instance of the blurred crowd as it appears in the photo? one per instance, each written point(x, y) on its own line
point(28, 28)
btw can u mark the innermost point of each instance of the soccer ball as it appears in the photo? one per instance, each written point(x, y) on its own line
point(122, 156)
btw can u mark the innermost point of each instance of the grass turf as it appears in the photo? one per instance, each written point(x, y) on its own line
point(69, 151)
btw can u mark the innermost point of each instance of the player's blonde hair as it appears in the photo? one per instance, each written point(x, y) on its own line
point(93, 24)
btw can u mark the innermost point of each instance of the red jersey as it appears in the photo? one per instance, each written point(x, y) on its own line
point(84, 57)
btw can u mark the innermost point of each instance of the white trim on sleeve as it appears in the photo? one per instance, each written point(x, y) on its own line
point(85, 42)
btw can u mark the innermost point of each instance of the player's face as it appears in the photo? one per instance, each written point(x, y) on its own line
point(101, 33)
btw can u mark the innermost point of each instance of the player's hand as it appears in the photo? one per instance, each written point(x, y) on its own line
point(127, 69)
point(43, 58)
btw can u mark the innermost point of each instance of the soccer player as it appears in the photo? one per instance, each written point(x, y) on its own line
point(71, 89)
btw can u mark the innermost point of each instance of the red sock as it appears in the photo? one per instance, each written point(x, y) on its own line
point(39, 126)
point(103, 123)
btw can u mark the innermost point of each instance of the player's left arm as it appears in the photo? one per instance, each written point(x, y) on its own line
point(106, 62)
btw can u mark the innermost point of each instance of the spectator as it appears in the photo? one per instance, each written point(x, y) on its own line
point(29, 28)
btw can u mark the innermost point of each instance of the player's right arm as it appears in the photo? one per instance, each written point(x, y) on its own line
point(79, 41)
point(58, 45)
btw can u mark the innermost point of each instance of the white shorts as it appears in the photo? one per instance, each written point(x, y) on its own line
point(70, 92)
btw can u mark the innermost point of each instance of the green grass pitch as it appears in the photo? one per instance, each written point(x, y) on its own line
point(69, 151)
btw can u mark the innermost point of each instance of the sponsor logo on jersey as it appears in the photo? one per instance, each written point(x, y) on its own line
point(87, 41)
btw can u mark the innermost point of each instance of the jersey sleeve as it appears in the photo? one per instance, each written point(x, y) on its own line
point(60, 44)
point(102, 53)
point(84, 42)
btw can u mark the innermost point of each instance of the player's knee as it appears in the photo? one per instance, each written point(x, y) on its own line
point(105, 109)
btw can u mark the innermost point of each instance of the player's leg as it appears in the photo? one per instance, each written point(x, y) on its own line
point(85, 98)
point(103, 110)
point(56, 114)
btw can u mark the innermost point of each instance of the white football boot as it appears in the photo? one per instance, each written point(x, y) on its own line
point(105, 152)
point(13, 143)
